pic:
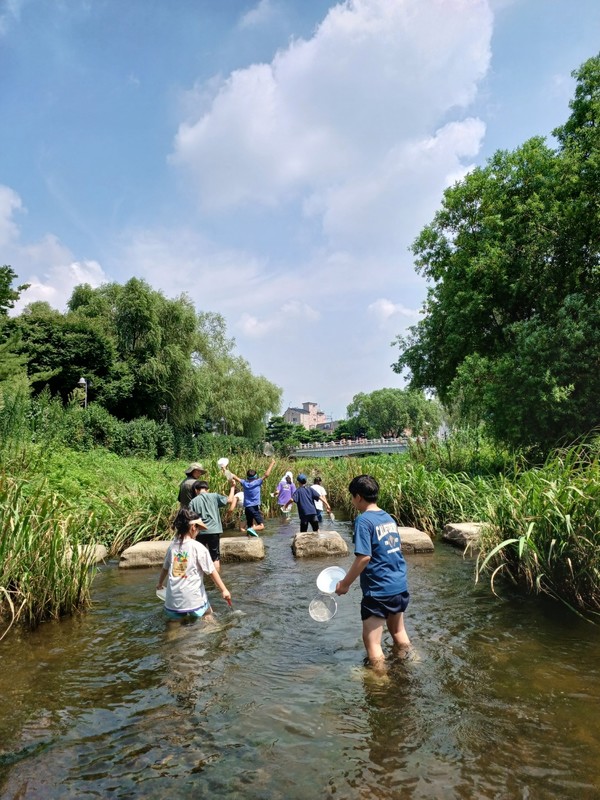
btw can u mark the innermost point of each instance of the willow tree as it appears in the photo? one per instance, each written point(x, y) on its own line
point(511, 330)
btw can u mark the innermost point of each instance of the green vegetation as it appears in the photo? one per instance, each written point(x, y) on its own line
point(511, 334)
point(390, 412)
point(544, 529)
point(510, 343)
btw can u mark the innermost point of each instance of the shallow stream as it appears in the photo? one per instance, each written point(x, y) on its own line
point(500, 698)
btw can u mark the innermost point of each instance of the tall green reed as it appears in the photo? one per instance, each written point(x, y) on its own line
point(43, 574)
point(544, 530)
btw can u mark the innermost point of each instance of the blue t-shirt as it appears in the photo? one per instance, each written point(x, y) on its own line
point(305, 497)
point(376, 535)
point(252, 491)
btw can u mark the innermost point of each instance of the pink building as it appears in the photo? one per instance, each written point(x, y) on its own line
point(309, 416)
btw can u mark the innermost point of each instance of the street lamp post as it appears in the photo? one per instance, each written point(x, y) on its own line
point(84, 385)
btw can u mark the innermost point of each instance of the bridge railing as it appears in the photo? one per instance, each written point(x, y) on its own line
point(348, 444)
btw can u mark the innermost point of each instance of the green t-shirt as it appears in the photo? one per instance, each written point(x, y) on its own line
point(207, 504)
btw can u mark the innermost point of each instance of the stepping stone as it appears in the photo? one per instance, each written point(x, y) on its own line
point(152, 554)
point(241, 548)
point(415, 541)
point(93, 553)
point(145, 554)
point(463, 534)
point(315, 545)
point(89, 553)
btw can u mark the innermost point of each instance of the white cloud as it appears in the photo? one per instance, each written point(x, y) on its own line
point(47, 265)
point(285, 317)
point(259, 16)
point(336, 121)
point(56, 284)
point(9, 203)
point(384, 310)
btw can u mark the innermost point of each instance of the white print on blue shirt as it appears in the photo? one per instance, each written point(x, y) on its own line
point(389, 529)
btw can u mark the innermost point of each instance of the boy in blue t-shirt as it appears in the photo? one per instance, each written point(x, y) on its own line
point(251, 486)
point(382, 569)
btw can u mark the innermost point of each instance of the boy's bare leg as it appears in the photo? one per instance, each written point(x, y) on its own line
point(395, 623)
point(372, 632)
point(217, 565)
point(260, 527)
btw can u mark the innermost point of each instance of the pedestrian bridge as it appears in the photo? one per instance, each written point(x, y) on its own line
point(361, 447)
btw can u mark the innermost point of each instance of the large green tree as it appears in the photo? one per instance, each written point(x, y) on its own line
point(392, 411)
point(171, 360)
point(511, 327)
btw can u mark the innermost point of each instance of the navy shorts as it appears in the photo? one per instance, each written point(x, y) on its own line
point(212, 543)
point(304, 522)
point(383, 606)
point(253, 514)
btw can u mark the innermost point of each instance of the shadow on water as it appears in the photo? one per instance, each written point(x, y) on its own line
point(499, 699)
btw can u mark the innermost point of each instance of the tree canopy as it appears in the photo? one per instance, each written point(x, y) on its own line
point(511, 331)
point(391, 412)
point(145, 355)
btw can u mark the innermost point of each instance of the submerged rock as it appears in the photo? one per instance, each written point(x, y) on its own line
point(322, 543)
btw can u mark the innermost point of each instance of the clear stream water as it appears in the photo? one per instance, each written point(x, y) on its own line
point(500, 699)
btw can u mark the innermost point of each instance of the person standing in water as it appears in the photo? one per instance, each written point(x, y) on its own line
point(185, 564)
point(285, 488)
point(305, 498)
point(207, 505)
point(186, 487)
point(251, 485)
point(382, 570)
point(319, 503)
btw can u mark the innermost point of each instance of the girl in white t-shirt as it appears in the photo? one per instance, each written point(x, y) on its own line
point(185, 564)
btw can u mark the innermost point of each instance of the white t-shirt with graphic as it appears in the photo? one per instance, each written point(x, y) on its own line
point(186, 563)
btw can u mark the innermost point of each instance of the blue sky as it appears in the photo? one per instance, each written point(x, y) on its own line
point(273, 159)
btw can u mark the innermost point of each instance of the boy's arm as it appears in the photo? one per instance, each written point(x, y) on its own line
point(269, 468)
point(217, 580)
point(358, 565)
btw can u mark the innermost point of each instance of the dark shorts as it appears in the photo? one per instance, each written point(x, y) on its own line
point(319, 516)
point(383, 606)
point(212, 543)
point(314, 522)
point(253, 514)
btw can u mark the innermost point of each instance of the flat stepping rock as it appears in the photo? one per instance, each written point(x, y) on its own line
point(93, 553)
point(89, 553)
point(145, 554)
point(152, 554)
point(241, 548)
point(463, 534)
point(315, 545)
point(415, 541)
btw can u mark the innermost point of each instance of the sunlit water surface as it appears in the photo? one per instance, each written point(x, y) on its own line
point(500, 698)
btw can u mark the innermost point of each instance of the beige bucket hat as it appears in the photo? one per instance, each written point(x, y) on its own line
point(193, 467)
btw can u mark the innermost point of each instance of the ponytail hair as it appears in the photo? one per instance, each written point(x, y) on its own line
point(182, 522)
